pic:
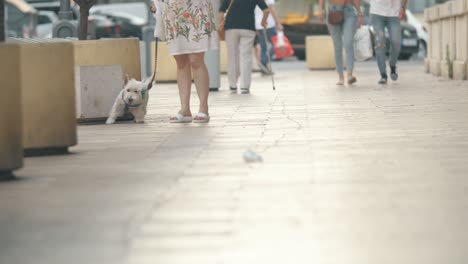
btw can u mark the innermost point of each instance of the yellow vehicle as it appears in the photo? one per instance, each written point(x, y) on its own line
point(299, 21)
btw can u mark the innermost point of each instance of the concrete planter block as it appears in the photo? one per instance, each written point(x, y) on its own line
point(167, 67)
point(48, 96)
point(427, 66)
point(460, 70)
point(320, 53)
point(461, 37)
point(96, 90)
point(436, 40)
point(434, 13)
point(435, 67)
point(459, 7)
point(444, 70)
point(447, 32)
point(445, 10)
point(449, 49)
point(125, 52)
point(426, 15)
point(11, 141)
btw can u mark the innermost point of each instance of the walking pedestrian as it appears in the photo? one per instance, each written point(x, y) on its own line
point(272, 28)
point(343, 18)
point(240, 36)
point(190, 32)
point(387, 14)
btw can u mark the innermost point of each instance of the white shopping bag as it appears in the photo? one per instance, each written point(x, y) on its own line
point(363, 44)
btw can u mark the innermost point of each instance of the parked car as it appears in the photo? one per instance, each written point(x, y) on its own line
point(130, 25)
point(131, 16)
point(21, 19)
point(45, 21)
point(100, 26)
point(421, 31)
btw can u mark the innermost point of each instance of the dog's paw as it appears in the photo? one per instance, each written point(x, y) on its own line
point(110, 121)
point(139, 121)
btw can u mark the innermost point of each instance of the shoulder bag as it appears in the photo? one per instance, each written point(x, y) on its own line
point(336, 17)
point(221, 30)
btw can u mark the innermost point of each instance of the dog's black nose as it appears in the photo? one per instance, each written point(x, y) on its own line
point(130, 99)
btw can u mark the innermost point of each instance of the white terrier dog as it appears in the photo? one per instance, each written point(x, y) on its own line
point(133, 98)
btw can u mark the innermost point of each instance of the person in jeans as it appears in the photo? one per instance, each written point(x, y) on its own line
point(343, 34)
point(272, 28)
point(387, 14)
point(240, 36)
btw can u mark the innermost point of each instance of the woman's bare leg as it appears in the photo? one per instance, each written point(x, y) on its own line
point(184, 83)
point(202, 82)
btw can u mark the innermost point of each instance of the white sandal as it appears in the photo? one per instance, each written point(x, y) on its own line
point(179, 118)
point(202, 118)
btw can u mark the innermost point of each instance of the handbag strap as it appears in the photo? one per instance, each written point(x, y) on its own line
point(229, 8)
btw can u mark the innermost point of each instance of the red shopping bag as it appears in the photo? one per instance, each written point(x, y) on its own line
point(282, 46)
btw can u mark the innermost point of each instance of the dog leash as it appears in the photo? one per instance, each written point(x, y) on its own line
point(150, 85)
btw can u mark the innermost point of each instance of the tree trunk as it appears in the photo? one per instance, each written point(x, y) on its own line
point(2, 21)
point(84, 13)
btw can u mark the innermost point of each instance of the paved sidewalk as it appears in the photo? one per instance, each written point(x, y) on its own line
point(351, 175)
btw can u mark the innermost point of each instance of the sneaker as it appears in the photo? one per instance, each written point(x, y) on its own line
point(245, 90)
point(394, 74)
point(233, 89)
point(383, 79)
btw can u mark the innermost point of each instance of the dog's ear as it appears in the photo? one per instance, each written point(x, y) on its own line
point(126, 79)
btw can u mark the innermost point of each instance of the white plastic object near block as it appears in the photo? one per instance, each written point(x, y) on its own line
point(96, 90)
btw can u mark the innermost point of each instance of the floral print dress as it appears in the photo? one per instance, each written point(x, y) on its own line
point(190, 26)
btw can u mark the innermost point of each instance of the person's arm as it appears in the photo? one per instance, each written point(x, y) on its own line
point(222, 11)
point(321, 11)
point(357, 5)
point(220, 17)
point(279, 27)
point(266, 13)
point(403, 9)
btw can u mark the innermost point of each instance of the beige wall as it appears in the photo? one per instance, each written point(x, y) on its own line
point(108, 52)
point(11, 146)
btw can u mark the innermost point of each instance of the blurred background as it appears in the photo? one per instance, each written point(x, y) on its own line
point(127, 18)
